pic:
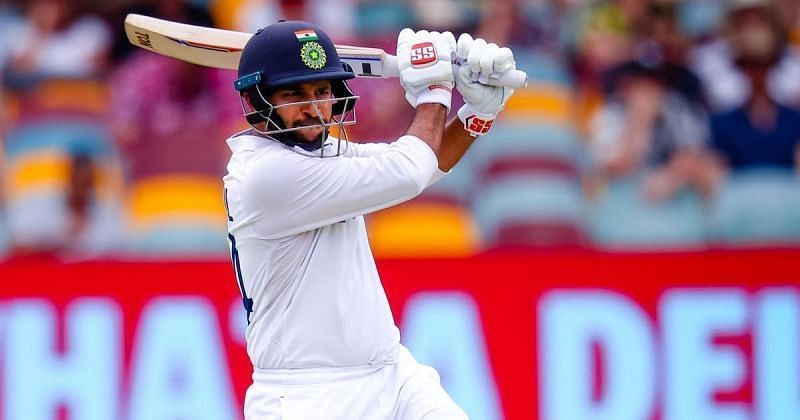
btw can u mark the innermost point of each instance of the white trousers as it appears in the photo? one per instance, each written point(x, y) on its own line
point(403, 390)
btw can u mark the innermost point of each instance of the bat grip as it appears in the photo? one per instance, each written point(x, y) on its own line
point(514, 79)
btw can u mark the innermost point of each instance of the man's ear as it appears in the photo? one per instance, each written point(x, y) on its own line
point(248, 100)
point(254, 98)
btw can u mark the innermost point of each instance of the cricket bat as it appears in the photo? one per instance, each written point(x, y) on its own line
point(222, 49)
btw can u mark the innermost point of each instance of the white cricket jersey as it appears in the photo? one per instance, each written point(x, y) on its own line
point(300, 249)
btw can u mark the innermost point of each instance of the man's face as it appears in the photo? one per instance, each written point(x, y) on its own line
point(756, 35)
point(304, 114)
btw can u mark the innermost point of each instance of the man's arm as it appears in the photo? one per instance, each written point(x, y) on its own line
point(428, 125)
point(289, 193)
point(426, 75)
point(483, 102)
point(449, 143)
point(455, 142)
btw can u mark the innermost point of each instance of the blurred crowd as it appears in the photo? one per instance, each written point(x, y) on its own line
point(646, 124)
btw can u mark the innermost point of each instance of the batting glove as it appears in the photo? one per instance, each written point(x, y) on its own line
point(425, 64)
point(480, 62)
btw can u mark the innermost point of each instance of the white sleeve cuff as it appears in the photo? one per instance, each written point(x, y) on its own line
point(439, 174)
point(425, 156)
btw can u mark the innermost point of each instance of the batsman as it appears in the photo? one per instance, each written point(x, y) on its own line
point(320, 333)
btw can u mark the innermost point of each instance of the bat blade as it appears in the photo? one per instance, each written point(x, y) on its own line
point(208, 47)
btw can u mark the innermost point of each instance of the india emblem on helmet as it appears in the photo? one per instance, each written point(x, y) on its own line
point(313, 55)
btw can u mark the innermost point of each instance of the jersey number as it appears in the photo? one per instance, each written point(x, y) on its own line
point(237, 267)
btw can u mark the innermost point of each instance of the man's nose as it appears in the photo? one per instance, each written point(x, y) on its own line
point(309, 108)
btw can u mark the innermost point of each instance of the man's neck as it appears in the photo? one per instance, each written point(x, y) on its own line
point(762, 112)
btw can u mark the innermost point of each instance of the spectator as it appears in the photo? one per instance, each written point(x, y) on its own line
point(603, 39)
point(654, 123)
point(753, 28)
point(54, 41)
point(647, 128)
point(756, 146)
point(762, 132)
point(9, 20)
point(660, 41)
point(92, 229)
point(249, 15)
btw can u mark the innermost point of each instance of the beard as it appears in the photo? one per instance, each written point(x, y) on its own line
point(294, 138)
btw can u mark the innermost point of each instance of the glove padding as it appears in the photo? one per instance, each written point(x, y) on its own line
point(480, 62)
point(424, 60)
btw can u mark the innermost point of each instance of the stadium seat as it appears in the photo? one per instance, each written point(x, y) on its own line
point(376, 17)
point(760, 206)
point(438, 223)
point(542, 67)
point(529, 209)
point(67, 136)
point(57, 100)
point(171, 240)
point(621, 218)
point(423, 228)
point(554, 145)
point(177, 215)
point(5, 242)
point(454, 187)
point(548, 96)
point(543, 102)
point(36, 220)
point(40, 220)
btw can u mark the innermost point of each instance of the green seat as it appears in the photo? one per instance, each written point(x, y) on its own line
point(380, 17)
point(4, 237)
point(180, 241)
point(539, 204)
point(623, 218)
point(542, 67)
point(511, 139)
point(456, 186)
point(757, 206)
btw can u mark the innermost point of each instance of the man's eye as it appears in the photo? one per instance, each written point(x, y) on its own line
point(324, 92)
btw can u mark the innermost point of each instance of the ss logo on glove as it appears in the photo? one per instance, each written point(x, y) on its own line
point(478, 126)
point(422, 54)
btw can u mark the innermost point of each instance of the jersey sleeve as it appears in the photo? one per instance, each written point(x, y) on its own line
point(366, 149)
point(370, 149)
point(288, 193)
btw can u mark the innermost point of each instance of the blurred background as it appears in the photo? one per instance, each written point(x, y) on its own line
point(648, 171)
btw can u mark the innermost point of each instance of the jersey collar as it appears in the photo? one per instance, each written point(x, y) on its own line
point(249, 140)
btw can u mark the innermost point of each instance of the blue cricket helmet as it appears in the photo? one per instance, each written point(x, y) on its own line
point(291, 52)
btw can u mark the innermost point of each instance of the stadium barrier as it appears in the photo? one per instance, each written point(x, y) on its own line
point(515, 335)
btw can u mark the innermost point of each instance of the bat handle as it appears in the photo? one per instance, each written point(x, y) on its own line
point(514, 79)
